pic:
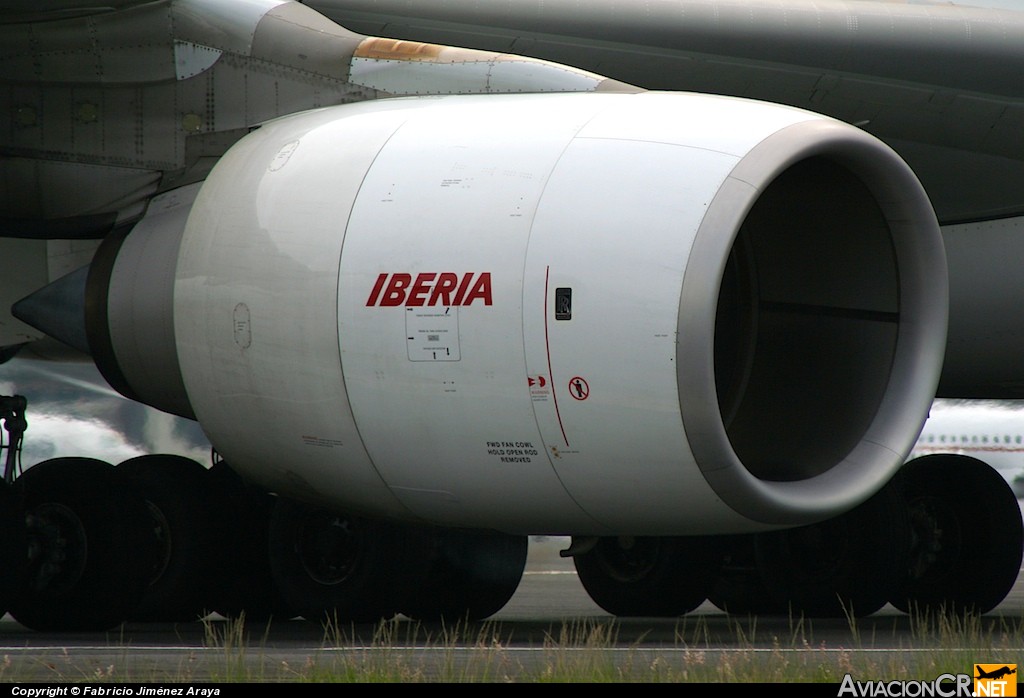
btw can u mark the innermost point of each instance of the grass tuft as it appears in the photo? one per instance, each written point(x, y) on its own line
point(585, 650)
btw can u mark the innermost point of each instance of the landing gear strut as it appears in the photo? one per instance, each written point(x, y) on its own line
point(13, 541)
point(12, 412)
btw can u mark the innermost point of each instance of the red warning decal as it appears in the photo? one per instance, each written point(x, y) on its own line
point(579, 388)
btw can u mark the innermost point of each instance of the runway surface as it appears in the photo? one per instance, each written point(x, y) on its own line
point(550, 613)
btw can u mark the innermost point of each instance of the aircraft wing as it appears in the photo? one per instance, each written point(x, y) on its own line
point(18, 11)
point(938, 82)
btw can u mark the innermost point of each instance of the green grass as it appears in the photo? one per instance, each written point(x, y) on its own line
point(579, 651)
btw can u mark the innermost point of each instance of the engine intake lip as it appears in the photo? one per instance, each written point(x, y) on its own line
point(805, 463)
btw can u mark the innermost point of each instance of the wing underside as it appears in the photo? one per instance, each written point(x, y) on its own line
point(940, 83)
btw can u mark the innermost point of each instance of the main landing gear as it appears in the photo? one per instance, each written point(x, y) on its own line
point(160, 538)
point(85, 546)
point(944, 536)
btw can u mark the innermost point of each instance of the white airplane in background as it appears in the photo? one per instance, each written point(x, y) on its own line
point(992, 432)
point(679, 279)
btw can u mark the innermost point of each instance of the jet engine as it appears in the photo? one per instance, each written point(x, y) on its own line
point(596, 314)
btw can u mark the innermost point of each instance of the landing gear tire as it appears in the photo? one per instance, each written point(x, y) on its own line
point(649, 576)
point(471, 575)
point(844, 567)
point(13, 546)
point(242, 581)
point(89, 551)
point(333, 567)
point(740, 589)
point(180, 509)
point(967, 536)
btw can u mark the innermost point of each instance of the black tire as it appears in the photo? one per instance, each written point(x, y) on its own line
point(649, 576)
point(471, 575)
point(180, 508)
point(13, 546)
point(740, 589)
point(967, 539)
point(242, 582)
point(90, 551)
point(846, 566)
point(333, 567)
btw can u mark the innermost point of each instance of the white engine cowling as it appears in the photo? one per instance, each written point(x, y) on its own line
point(590, 313)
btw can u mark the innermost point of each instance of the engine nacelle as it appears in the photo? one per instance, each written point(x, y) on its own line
point(588, 313)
